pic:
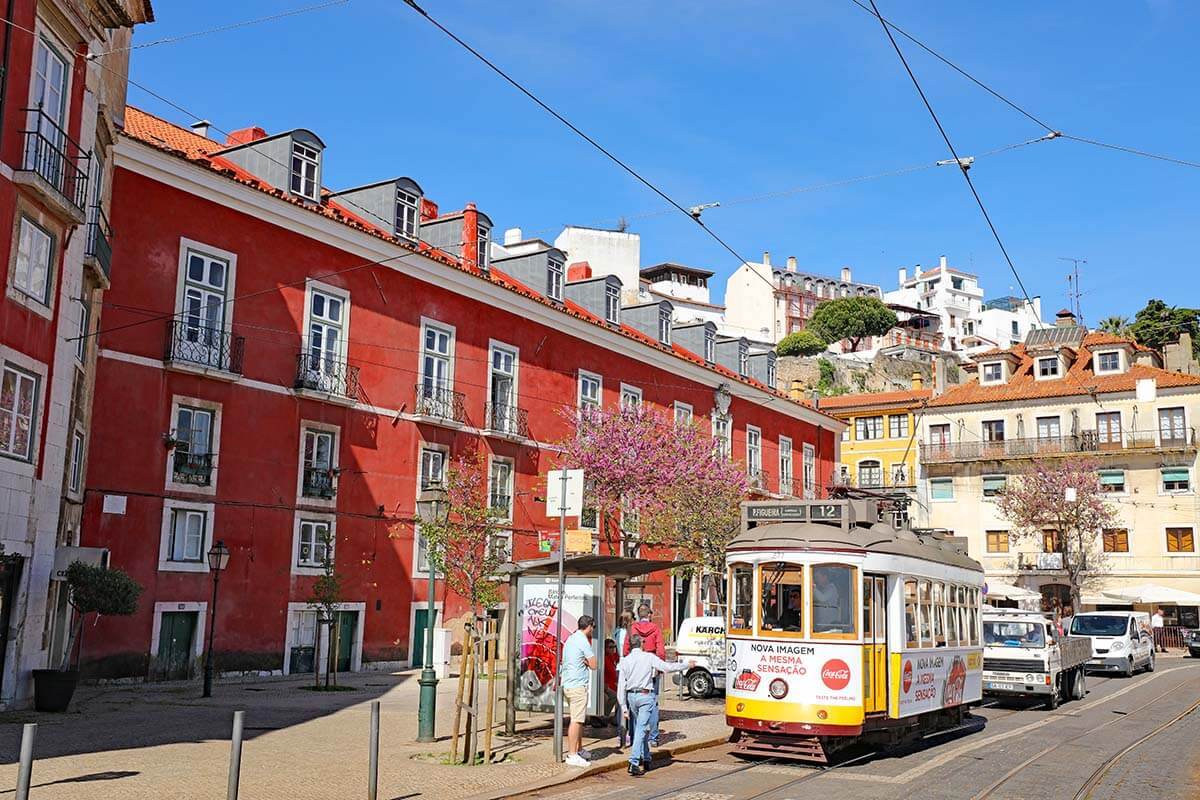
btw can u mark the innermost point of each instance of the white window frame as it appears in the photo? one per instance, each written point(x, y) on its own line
point(683, 413)
point(754, 451)
point(904, 426)
point(426, 324)
point(584, 375)
point(877, 465)
point(1158, 420)
point(334, 457)
point(1193, 553)
point(170, 506)
point(1124, 482)
point(22, 372)
point(984, 379)
point(631, 397)
point(515, 352)
point(786, 467)
point(664, 326)
point(1100, 354)
point(323, 634)
point(809, 472)
point(710, 346)
point(483, 236)
point(312, 287)
point(309, 157)
point(308, 516)
point(724, 442)
point(510, 488)
point(187, 246)
point(214, 446)
point(85, 328)
point(76, 465)
point(940, 482)
point(555, 273)
point(990, 498)
point(743, 360)
point(1037, 368)
point(1164, 492)
point(861, 427)
point(408, 214)
point(422, 446)
point(1037, 425)
point(21, 279)
point(612, 304)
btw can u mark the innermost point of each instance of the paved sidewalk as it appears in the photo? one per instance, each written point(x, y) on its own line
point(163, 740)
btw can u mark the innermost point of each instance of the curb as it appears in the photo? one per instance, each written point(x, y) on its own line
point(600, 769)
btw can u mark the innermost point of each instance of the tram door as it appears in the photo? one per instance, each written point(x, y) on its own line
point(875, 643)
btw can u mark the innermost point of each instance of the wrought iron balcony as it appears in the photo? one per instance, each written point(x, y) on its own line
point(894, 483)
point(758, 479)
point(58, 162)
point(192, 468)
point(1064, 445)
point(210, 348)
point(440, 404)
point(319, 482)
point(320, 373)
point(99, 241)
point(1044, 562)
point(508, 421)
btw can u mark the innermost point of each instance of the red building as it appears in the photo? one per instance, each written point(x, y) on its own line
point(62, 97)
point(280, 360)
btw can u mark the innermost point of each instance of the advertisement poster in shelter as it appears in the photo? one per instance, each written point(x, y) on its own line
point(537, 610)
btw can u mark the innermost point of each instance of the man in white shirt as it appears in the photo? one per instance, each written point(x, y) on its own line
point(635, 693)
point(1156, 628)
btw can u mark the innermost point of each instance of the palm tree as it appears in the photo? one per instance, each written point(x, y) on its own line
point(1116, 325)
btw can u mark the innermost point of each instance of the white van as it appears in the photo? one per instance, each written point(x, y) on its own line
point(1122, 641)
point(702, 640)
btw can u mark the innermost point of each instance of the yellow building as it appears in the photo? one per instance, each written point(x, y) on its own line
point(879, 448)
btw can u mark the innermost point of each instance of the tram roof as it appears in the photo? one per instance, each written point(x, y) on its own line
point(877, 538)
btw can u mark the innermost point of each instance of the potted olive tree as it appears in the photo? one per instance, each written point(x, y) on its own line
point(93, 590)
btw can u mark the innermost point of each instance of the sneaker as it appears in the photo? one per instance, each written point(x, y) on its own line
point(636, 769)
point(576, 760)
point(585, 753)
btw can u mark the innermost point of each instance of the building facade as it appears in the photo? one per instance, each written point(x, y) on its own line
point(1069, 394)
point(302, 363)
point(62, 99)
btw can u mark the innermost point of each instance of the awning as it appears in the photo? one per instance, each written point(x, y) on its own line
point(1175, 474)
point(1103, 599)
point(1155, 593)
point(1009, 592)
point(1112, 477)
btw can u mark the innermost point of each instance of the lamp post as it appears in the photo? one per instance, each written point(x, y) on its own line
point(433, 508)
point(218, 559)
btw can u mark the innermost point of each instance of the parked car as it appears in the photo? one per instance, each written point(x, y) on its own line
point(702, 640)
point(1191, 640)
point(1121, 640)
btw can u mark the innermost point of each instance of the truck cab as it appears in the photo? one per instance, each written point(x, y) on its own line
point(702, 640)
point(1024, 655)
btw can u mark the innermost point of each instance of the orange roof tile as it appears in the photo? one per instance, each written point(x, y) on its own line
point(1079, 380)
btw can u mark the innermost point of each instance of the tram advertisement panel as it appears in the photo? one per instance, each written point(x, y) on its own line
point(790, 680)
point(938, 678)
point(537, 609)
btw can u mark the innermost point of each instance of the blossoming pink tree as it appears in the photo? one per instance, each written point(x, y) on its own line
point(669, 474)
point(1037, 503)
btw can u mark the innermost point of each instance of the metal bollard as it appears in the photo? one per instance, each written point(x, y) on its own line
point(26, 770)
point(373, 768)
point(235, 755)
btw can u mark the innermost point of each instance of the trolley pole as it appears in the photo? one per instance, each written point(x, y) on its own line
point(562, 548)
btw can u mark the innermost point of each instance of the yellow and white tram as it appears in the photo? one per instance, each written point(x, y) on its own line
point(844, 629)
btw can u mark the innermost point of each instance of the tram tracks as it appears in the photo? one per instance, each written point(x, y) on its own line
point(812, 774)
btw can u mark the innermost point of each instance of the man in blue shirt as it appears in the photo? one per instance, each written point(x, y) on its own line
point(578, 660)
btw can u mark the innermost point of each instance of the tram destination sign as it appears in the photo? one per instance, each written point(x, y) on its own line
point(844, 513)
point(781, 512)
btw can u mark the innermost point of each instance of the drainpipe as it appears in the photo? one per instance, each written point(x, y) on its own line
point(8, 34)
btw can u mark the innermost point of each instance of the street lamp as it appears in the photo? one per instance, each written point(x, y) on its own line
point(218, 559)
point(433, 508)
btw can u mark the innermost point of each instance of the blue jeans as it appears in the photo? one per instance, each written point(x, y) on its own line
point(642, 710)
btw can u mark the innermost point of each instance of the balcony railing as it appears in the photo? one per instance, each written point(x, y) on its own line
point(1083, 442)
point(1040, 561)
point(54, 157)
point(192, 468)
point(440, 403)
point(507, 420)
point(895, 483)
point(758, 479)
point(320, 373)
point(198, 345)
point(319, 482)
point(99, 241)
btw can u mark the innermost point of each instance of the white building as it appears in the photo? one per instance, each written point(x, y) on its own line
point(687, 289)
point(607, 252)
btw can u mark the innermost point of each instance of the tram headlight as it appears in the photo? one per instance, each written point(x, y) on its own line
point(778, 688)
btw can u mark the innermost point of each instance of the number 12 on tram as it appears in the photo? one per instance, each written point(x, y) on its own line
point(842, 632)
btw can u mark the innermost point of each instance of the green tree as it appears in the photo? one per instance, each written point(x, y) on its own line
point(852, 319)
point(801, 343)
point(1116, 325)
point(96, 590)
point(1158, 323)
point(325, 598)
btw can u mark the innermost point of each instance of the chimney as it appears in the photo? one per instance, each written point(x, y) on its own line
point(939, 375)
point(512, 236)
point(845, 274)
point(918, 382)
point(902, 274)
point(816, 399)
point(791, 263)
point(1064, 319)
point(916, 270)
point(245, 136)
point(200, 127)
point(579, 271)
point(471, 257)
point(942, 262)
point(429, 209)
point(767, 257)
point(797, 390)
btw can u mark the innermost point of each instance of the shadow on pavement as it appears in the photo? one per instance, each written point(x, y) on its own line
point(93, 776)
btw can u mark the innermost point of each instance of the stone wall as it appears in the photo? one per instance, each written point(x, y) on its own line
point(884, 374)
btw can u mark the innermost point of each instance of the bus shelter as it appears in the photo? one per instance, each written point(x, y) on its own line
point(532, 620)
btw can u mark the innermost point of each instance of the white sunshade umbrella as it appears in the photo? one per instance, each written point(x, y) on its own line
point(1010, 592)
point(1155, 593)
point(1104, 599)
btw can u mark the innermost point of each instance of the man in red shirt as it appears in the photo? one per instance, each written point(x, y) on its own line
point(652, 638)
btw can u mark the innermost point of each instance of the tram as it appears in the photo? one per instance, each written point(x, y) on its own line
point(844, 629)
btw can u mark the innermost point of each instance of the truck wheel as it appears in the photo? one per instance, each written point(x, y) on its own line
point(1150, 663)
point(700, 684)
point(1128, 671)
point(1055, 695)
point(1078, 686)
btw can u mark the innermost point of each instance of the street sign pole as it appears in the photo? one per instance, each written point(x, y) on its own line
point(562, 548)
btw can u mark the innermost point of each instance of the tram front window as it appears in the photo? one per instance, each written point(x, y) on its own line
point(833, 599)
point(742, 606)
point(782, 597)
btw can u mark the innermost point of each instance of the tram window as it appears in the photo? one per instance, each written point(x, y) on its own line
point(868, 608)
point(925, 617)
point(833, 600)
point(783, 597)
point(939, 615)
point(955, 616)
point(910, 614)
point(741, 607)
point(975, 617)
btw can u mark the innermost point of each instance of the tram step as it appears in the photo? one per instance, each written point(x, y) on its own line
point(793, 748)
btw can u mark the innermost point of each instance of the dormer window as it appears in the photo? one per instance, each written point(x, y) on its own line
point(743, 360)
point(710, 345)
point(408, 212)
point(612, 304)
point(306, 162)
point(771, 372)
point(554, 279)
point(993, 372)
point(482, 238)
point(664, 325)
point(1108, 362)
point(1048, 367)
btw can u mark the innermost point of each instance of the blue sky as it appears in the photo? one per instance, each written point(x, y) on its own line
point(719, 101)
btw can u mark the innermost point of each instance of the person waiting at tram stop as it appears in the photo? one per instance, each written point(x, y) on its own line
point(636, 676)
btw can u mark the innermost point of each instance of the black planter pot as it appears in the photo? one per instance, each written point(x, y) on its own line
point(53, 688)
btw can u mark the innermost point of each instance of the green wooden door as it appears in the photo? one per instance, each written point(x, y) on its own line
point(420, 623)
point(347, 621)
point(175, 644)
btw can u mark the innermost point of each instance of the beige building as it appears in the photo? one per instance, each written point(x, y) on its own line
point(1067, 393)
